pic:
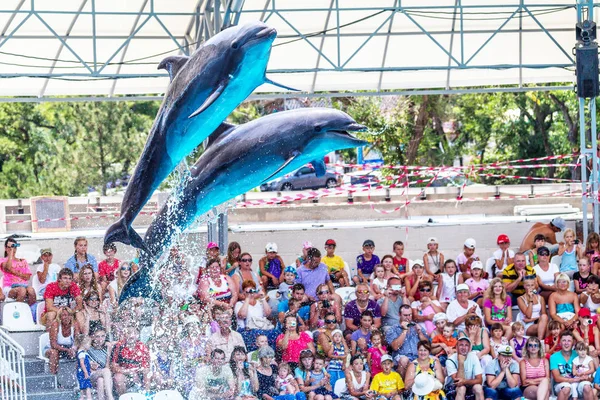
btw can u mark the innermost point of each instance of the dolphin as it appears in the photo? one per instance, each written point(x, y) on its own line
point(237, 160)
point(204, 89)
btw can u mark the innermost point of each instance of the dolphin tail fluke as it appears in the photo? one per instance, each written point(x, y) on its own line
point(124, 233)
point(139, 285)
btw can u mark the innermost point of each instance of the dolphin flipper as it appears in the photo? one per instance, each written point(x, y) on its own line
point(211, 99)
point(139, 285)
point(285, 164)
point(319, 166)
point(123, 232)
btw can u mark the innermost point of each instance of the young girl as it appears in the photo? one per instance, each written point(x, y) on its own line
point(497, 306)
point(361, 338)
point(440, 320)
point(583, 365)
point(304, 256)
point(467, 257)
point(569, 250)
point(433, 259)
point(592, 251)
point(337, 356)
point(319, 377)
point(231, 262)
point(107, 267)
point(379, 283)
point(84, 370)
point(400, 262)
point(497, 340)
point(412, 281)
point(580, 278)
point(285, 287)
point(538, 241)
point(552, 342)
point(532, 310)
point(285, 382)
point(518, 340)
point(271, 267)
point(81, 257)
point(376, 351)
point(115, 287)
point(447, 282)
point(476, 283)
point(390, 269)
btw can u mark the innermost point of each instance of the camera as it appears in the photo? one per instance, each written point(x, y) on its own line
point(576, 241)
point(293, 323)
point(246, 364)
point(411, 324)
point(396, 287)
point(13, 245)
point(326, 304)
point(253, 291)
point(589, 321)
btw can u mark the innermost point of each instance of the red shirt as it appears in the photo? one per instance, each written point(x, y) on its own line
point(104, 269)
point(550, 342)
point(400, 264)
point(126, 357)
point(62, 298)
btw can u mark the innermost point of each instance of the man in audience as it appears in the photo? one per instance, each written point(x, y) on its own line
point(390, 303)
point(214, 381)
point(459, 308)
point(47, 272)
point(514, 275)
point(355, 308)
point(465, 370)
point(502, 377)
point(225, 338)
point(130, 362)
point(549, 231)
point(62, 293)
point(567, 384)
point(313, 273)
point(403, 339)
point(298, 294)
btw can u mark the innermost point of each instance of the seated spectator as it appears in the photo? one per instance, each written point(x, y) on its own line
point(261, 341)
point(592, 251)
point(502, 377)
point(289, 279)
point(549, 231)
point(337, 355)
point(580, 278)
point(215, 380)
point(479, 338)
point(301, 372)
point(130, 363)
point(95, 318)
point(116, 286)
point(360, 340)
point(245, 273)
point(298, 294)
point(567, 384)
point(291, 342)
point(466, 372)
point(16, 275)
point(318, 376)
point(535, 371)
point(267, 375)
point(80, 258)
point(394, 297)
point(448, 280)
point(378, 282)
point(570, 251)
point(585, 330)
point(301, 260)
point(366, 262)
point(336, 264)
point(355, 308)
point(108, 266)
point(252, 313)
point(546, 273)
point(212, 250)
point(62, 334)
point(387, 384)
point(46, 272)
point(466, 258)
point(192, 344)
point(497, 307)
point(379, 348)
point(224, 338)
point(433, 259)
point(590, 298)
point(425, 364)
point(459, 309)
point(101, 376)
point(413, 279)
point(389, 268)
point(401, 266)
point(323, 335)
point(563, 305)
point(244, 375)
point(64, 293)
point(477, 283)
point(358, 380)
point(497, 339)
point(444, 344)
point(538, 242)
point(552, 341)
point(503, 256)
point(425, 308)
point(231, 262)
point(313, 273)
point(403, 339)
point(324, 305)
point(532, 310)
point(87, 281)
point(271, 267)
point(514, 275)
point(221, 289)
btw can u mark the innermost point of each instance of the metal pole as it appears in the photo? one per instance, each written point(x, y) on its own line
point(222, 233)
point(594, 177)
point(583, 160)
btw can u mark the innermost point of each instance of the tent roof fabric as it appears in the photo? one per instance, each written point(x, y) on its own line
point(110, 48)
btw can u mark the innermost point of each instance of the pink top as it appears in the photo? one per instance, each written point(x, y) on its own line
point(477, 287)
point(532, 372)
point(292, 352)
point(18, 265)
point(376, 355)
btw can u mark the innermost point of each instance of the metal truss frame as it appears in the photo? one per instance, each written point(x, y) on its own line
point(210, 16)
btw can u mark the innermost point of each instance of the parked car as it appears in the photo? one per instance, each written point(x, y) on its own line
point(364, 177)
point(303, 178)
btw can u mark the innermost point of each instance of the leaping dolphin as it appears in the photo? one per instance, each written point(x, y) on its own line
point(239, 159)
point(205, 88)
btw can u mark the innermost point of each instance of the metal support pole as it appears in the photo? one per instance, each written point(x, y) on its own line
point(223, 230)
point(583, 160)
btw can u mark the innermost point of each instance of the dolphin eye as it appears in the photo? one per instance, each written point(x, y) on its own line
point(318, 128)
point(235, 45)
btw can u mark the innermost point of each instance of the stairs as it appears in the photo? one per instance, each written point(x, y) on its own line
point(41, 385)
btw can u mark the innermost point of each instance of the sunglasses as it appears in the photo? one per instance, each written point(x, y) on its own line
point(93, 299)
point(528, 277)
point(534, 345)
point(246, 260)
point(324, 292)
point(362, 291)
point(426, 290)
point(125, 268)
point(543, 254)
point(330, 321)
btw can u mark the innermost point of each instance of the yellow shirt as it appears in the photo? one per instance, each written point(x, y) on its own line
point(389, 383)
point(335, 263)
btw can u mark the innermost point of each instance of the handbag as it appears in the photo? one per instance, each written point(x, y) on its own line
point(261, 323)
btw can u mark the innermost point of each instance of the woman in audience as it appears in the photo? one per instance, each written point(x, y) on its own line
point(230, 262)
point(546, 273)
point(590, 298)
point(62, 333)
point(101, 376)
point(87, 281)
point(497, 306)
point(244, 374)
point(424, 309)
point(563, 305)
point(16, 275)
point(245, 273)
point(388, 266)
point(323, 306)
point(221, 288)
point(252, 313)
point(192, 344)
point(479, 337)
point(324, 338)
point(358, 380)
point(116, 286)
point(95, 318)
point(532, 310)
point(291, 342)
point(535, 371)
point(425, 364)
point(412, 280)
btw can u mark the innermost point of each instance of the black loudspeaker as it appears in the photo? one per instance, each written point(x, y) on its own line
point(587, 70)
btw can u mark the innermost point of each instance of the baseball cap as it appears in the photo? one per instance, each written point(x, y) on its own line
point(271, 247)
point(584, 312)
point(211, 245)
point(387, 357)
point(559, 223)
point(464, 338)
point(307, 245)
point(476, 265)
point(330, 242)
point(432, 240)
point(502, 239)
point(470, 243)
point(368, 242)
point(440, 317)
point(462, 286)
point(46, 250)
point(505, 351)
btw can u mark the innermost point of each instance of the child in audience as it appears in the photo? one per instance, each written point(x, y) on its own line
point(289, 279)
point(361, 338)
point(447, 342)
point(304, 256)
point(476, 283)
point(426, 306)
point(294, 306)
point(440, 320)
point(580, 278)
point(388, 266)
point(400, 262)
point(504, 256)
point(107, 267)
point(583, 365)
point(467, 257)
point(335, 264)
point(285, 382)
point(320, 377)
point(592, 251)
point(433, 259)
point(377, 350)
point(552, 341)
point(271, 267)
point(497, 339)
point(518, 340)
point(538, 241)
point(387, 384)
point(569, 250)
point(378, 283)
point(337, 354)
point(447, 282)
point(84, 370)
point(80, 258)
point(366, 262)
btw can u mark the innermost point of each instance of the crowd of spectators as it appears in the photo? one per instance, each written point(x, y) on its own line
point(437, 327)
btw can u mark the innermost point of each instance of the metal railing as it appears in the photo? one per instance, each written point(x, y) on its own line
point(13, 385)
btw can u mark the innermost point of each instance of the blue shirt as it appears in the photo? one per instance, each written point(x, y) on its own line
point(409, 347)
point(303, 312)
point(75, 265)
point(564, 367)
point(367, 267)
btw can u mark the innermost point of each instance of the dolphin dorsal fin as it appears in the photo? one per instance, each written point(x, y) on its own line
point(221, 130)
point(173, 64)
point(319, 166)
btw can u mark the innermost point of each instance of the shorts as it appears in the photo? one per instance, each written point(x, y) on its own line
point(528, 324)
point(576, 387)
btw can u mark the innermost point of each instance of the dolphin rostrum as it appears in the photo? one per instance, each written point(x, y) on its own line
point(205, 88)
point(238, 160)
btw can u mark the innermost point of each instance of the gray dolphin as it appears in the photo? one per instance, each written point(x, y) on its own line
point(205, 88)
point(239, 159)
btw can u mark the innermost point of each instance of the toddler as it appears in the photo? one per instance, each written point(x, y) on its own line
point(289, 279)
point(377, 350)
point(379, 282)
point(337, 356)
point(285, 382)
point(447, 342)
point(518, 340)
point(366, 262)
point(319, 377)
point(467, 257)
point(84, 370)
point(433, 259)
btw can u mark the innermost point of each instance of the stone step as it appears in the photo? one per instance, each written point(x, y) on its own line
point(34, 366)
point(41, 382)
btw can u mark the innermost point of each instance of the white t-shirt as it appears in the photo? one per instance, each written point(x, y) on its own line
point(449, 284)
point(52, 276)
point(547, 277)
point(498, 256)
point(455, 310)
point(581, 365)
point(256, 310)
